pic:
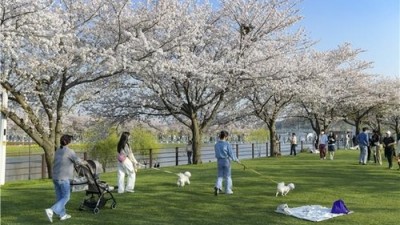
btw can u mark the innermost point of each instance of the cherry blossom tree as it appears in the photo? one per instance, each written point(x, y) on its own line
point(183, 79)
point(387, 112)
point(199, 75)
point(362, 100)
point(52, 51)
point(336, 75)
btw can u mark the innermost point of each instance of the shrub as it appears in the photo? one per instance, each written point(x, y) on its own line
point(101, 143)
point(142, 140)
point(259, 135)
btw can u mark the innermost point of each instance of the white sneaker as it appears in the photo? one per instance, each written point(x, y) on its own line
point(131, 191)
point(65, 217)
point(49, 214)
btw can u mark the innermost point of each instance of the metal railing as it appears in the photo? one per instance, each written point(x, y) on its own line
point(33, 166)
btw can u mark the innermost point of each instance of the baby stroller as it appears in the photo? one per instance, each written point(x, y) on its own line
point(97, 192)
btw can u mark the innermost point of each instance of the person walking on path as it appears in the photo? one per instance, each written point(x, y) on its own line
point(363, 142)
point(293, 144)
point(224, 155)
point(63, 171)
point(127, 165)
point(189, 151)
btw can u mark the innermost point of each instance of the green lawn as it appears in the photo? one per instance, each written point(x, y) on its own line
point(372, 192)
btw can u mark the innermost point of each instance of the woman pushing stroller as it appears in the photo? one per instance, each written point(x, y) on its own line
point(63, 169)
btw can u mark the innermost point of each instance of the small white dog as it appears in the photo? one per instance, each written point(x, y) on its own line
point(283, 189)
point(183, 178)
point(355, 148)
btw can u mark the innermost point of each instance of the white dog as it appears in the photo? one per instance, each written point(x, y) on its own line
point(183, 178)
point(283, 189)
point(355, 147)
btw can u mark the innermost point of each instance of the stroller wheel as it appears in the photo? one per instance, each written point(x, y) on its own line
point(96, 210)
point(81, 207)
point(113, 205)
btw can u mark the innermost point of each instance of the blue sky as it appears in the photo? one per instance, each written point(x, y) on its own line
point(371, 25)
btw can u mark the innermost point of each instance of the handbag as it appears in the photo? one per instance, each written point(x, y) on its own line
point(121, 157)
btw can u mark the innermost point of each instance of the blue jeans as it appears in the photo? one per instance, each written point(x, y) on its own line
point(363, 154)
point(63, 194)
point(224, 171)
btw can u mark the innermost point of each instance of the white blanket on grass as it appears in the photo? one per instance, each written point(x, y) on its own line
point(314, 213)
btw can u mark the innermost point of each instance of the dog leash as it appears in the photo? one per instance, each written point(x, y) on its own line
point(253, 170)
point(256, 172)
point(244, 166)
point(165, 171)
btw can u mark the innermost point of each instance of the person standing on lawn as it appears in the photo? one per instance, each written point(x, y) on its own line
point(375, 145)
point(363, 142)
point(63, 171)
point(322, 144)
point(388, 144)
point(331, 145)
point(224, 155)
point(347, 146)
point(127, 165)
point(293, 144)
point(189, 151)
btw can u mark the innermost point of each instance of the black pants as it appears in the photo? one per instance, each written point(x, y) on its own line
point(189, 155)
point(389, 156)
point(293, 149)
point(369, 154)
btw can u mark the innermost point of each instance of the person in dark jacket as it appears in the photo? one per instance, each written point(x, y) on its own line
point(376, 147)
point(331, 145)
point(388, 144)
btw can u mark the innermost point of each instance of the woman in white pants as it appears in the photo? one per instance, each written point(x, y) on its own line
point(127, 165)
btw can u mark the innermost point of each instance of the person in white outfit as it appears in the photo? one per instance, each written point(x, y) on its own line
point(127, 165)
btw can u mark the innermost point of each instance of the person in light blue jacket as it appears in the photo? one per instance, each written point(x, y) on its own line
point(224, 155)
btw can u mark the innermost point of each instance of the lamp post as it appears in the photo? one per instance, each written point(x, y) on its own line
point(29, 169)
point(3, 133)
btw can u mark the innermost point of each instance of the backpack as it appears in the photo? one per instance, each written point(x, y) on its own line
point(339, 207)
point(375, 138)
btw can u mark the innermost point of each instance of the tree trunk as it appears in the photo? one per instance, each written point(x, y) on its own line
point(397, 128)
point(272, 139)
point(49, 151)
point(196, 136)
point(357, 125)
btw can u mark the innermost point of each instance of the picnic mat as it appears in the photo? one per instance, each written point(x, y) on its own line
point(313, 213)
